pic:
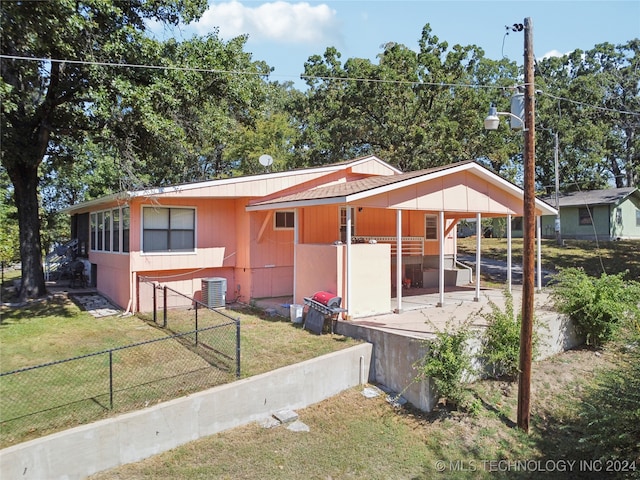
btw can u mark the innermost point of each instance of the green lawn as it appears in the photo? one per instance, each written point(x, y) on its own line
point(585, 418)
point(594, 258)
point(69, 393)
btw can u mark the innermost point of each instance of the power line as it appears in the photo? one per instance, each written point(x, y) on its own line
point(583, 104)
point(135, 65)
point(310, 77)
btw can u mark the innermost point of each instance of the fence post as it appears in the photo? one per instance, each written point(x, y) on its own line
point(155, 303)
point(164, 306)
point(238, 347)
point(111, 379)
point(196, 324)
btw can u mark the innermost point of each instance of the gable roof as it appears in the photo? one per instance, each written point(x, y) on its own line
point(227, 187)
point(360, 190)
point(585, 198)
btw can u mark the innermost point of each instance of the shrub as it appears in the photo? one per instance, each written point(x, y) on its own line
point(448, 362)
point(501, 339)
point(598, 306)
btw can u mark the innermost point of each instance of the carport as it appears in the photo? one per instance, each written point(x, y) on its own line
point(406, 215)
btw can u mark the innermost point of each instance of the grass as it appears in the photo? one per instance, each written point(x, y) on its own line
point(594, 258)
point(355, 437)
point(45, 400)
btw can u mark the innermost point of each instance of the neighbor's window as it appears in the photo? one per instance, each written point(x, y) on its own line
point(638, 218)
point(516, 223)
point(619, 216)
point(584, 217)
point(285, 220)
point(431, 227)
point(168, 229)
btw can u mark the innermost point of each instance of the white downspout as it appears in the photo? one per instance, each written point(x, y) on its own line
point(509, 278)
point(478, 255)
point(441, 258)
point(399, 260)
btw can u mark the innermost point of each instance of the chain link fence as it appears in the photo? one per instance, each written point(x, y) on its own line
point(202, 350)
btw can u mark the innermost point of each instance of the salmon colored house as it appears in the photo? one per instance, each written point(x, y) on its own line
point(357, 229)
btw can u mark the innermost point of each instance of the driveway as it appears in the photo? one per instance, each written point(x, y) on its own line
point(497, 269)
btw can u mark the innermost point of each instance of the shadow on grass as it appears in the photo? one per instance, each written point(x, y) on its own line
point(50, 306)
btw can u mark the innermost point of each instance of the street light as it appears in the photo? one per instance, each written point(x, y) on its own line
point(492, 121)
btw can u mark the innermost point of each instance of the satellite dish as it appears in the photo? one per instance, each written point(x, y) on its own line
point(265, 160)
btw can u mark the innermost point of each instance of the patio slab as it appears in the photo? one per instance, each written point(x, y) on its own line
point(421, 317)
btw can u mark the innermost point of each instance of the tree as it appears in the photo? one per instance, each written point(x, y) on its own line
point(49, 102)
point(273, 133)
point(414, 109)
point(592, 99)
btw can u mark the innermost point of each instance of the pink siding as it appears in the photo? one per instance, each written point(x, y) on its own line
point(257, 259)
point(113, 278)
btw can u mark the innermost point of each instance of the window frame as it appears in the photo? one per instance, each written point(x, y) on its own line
point(106, 230)
point(427, 218)
point(169, 231)
point(286, 214)
point(584, 217)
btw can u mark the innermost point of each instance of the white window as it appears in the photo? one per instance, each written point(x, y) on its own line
point(168, 229)
point(110, 230)
point(284, 220)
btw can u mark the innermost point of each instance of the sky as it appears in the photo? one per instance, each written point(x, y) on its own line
point(285, 34)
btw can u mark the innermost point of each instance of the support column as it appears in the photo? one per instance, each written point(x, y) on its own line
point(296, 217)
point(441, 258)
point(478, 254)
point(509, 276)
point(399, 260)
point(349, 239)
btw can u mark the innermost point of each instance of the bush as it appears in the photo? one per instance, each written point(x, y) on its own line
point(501, 340)
point(598, 306)
point(447, 362)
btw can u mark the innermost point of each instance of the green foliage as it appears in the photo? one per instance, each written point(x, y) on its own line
point(610, 410)
point(598, 306)
point(501, 339)
point(448, 364)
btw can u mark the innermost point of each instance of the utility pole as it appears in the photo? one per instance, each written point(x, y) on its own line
point(528, 271)
point(557, 225)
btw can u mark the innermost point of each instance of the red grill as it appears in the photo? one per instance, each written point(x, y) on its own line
point(322, 306)
point(327, 299)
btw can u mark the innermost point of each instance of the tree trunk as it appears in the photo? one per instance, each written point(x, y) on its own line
point(25, 182)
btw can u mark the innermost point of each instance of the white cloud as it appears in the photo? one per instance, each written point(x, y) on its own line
point(278, 21)
point(553, 53)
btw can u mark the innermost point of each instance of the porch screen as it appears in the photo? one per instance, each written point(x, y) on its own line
point(168, 229)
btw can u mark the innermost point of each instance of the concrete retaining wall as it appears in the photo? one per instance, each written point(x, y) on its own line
point(85, 450)
point(392, 365)
point(394, 356)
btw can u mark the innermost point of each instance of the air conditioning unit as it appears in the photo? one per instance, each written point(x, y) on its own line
point(214, 291)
